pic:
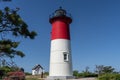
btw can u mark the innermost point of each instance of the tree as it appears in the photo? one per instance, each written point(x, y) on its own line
point(76, 73)
point(107, 73)
point(10, 21)
point(7, 48)
point(108, 69)
point(101, 69)
point(12, 24)
point(84, 73)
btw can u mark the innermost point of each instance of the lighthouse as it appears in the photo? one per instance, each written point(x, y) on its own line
point(60, 51)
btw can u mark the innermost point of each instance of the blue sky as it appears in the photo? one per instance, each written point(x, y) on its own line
point(95, 32)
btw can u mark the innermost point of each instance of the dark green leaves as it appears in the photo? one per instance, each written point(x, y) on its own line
point(7, 48)
point(7, 9)
point(10, 21)
point(12, 24)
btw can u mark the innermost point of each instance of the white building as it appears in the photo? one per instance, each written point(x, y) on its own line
point(37, 70)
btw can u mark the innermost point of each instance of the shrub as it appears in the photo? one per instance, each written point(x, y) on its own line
point(109, 77)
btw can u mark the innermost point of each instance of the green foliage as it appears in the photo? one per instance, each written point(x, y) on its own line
point(101, 69)
point(109, 76)
point(76, 73)
point(33, 79)
point(90, 74)
point(6, 69)
point(102, 72)
point(7, 48)
point(27, 73)
point(84, 74)
point(46, 73)
point(12, 24)
point(10, 21)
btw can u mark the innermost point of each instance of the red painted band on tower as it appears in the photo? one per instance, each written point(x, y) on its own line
point(60, 30)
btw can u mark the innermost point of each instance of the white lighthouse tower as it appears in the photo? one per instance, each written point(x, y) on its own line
point(60, 52)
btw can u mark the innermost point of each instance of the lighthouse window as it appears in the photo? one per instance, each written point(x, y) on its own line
point(66, 56)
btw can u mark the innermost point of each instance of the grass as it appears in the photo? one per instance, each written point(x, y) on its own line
point(32, 79)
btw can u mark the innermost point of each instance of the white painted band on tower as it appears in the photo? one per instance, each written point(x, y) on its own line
point(60, 58)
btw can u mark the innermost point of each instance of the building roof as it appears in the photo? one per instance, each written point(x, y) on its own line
point(37, 66)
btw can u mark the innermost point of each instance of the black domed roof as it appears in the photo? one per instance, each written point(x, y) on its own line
point(60, 12)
